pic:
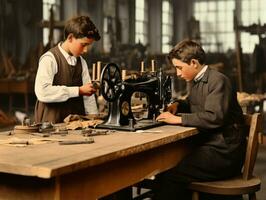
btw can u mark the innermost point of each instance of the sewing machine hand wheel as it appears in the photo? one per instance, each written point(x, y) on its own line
point(110, 82)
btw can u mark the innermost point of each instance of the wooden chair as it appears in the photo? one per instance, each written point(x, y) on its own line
point(240, 185)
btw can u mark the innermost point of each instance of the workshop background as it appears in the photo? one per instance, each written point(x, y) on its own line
point(233, 33)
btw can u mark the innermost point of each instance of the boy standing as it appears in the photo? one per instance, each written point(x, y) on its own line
point(63, 85)
point(213, 108)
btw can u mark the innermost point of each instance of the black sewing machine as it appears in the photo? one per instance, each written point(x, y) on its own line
point(118, 93)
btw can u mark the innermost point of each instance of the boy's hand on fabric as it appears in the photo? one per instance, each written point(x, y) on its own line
point(169, 118)
point(87, 90)
point(172, 108)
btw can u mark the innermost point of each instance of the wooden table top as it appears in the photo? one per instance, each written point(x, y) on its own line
point(51, 159)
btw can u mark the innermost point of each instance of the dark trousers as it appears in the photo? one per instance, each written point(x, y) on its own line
point(197, 166)
point(171, 189)
point(124, 194)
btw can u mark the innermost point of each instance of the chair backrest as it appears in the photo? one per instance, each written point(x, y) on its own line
point(254, 122)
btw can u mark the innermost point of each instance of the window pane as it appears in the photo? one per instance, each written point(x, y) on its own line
point(220, 27)
point(139, 3)
point(165, 40)
point(167, 25)
point(221, 5)
point(140, 14)
point(229, 5)
point(165, 29)
point(212, 6)
point(221, 16)
point(197, 8)
point(165, 17)
point(166, 6)
point(141, 22)
point(140, 38)
point(254, 6)
point(263, 15)
point(139, 27)
point(253, 11)
point(47, 4)
point(203, 6)
point(216, 27)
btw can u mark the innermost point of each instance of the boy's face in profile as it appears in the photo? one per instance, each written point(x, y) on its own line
point(184, 70)
point(79, 46)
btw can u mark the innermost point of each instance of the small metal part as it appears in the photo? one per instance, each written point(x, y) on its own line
point(41, 134)
point(10, 132)
point(26, 122)
point(154, 117)
point(131, 123)
point(125, 108)
point(59, 131)
point(71, 142)
point(46, 127)
point(20, 141)
point(96, 85)
point(91, 132)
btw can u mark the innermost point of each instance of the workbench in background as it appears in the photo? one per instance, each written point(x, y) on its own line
point(12, 87)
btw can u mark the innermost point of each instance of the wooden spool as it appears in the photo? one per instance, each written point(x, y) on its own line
point(25, 129)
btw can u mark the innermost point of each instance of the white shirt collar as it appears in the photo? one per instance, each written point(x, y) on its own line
point(71, 60)
point(201, 73)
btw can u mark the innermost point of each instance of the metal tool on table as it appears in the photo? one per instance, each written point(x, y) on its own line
point(118, 93)
point(46, 127)
point(40, 134)
point(95, 132)
point(32, 141)
point(81, 141)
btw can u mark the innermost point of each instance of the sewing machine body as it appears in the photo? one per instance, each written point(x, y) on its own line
point(156, 88)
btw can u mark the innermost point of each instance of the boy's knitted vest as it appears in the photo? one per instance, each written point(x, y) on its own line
point(66, 75)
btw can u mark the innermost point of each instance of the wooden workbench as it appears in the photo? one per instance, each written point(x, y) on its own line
point(89, 171)
point(11, 87)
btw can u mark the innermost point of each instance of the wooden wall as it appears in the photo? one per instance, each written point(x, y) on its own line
point(19, 29)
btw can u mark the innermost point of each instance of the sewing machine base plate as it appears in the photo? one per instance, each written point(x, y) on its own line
point(140, 125)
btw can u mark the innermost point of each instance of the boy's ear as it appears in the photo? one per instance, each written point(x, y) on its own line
point(194, 62)
point(70, 36)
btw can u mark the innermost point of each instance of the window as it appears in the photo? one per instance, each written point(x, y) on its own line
point(109, 25)
point(167, 26)
point(252, 12)
point(107, 34)
point(47, 5)
point(216, 24)
point(141, 23)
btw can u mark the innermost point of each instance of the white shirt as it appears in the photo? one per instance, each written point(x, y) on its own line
point(48, 93)
point(201, 73)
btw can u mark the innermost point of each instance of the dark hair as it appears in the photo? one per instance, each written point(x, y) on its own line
point(80, 27)
point(187, 50)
